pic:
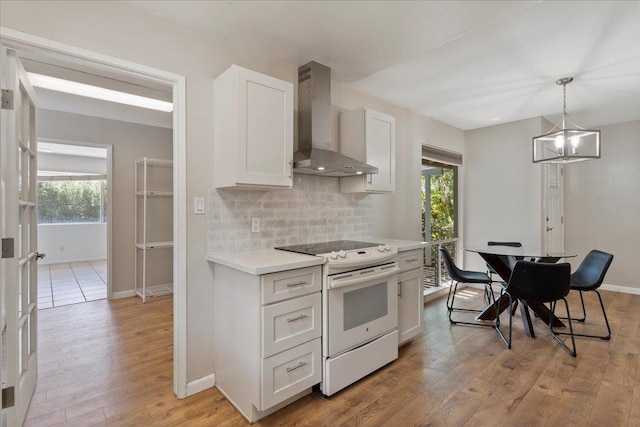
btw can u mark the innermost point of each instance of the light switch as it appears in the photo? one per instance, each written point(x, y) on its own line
point(198, 206)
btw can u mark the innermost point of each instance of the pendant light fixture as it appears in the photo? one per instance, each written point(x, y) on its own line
point(566, 144)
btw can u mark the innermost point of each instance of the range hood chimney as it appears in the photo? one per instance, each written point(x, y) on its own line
point(314, 155)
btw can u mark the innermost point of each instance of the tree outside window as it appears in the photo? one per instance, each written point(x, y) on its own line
point(442, 207)
point(62, 201)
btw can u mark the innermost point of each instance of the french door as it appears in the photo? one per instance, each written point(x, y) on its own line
point(18, 171)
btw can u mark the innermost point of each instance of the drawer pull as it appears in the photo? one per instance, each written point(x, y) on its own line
point(291, 285)
point(293, 319)
point(412, 260)
point(293, 368)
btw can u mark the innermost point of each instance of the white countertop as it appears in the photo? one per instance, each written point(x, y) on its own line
point(402, 245)
point(263, 261)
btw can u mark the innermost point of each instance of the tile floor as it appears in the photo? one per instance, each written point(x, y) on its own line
point(71, 283)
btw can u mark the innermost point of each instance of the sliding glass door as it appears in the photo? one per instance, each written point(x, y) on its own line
point(439, 217)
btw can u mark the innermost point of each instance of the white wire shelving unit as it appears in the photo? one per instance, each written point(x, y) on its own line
point(144, 192)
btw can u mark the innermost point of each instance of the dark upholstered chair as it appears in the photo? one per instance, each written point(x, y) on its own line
point(462, 276)
point(588, 278)
point(541, 283)
point(508, 260)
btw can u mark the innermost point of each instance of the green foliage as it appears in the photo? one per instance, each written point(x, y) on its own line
point(70, 201)
point(442, 205)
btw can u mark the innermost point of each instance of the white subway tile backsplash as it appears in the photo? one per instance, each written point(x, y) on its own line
point(313, 211)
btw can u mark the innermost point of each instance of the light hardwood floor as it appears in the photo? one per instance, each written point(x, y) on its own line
point(110, 363)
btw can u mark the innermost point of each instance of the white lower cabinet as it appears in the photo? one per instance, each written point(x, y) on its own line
point(289, 323)
point(410, 297)
point(288, 373)
point(267, 335)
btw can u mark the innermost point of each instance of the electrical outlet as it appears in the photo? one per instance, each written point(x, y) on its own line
point(255, 225)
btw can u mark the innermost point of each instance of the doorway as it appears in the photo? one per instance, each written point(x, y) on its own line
point(73, 187)
point(47, 51)
point(439, 183)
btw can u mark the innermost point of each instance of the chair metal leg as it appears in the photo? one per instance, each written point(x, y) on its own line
point(451, 290)
point(514, 307)
point(451, 308)
point(604, 314)
point(507, 343)
point(572, 351)
point(584, 312)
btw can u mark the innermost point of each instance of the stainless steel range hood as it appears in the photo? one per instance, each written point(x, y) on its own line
point(314, 155)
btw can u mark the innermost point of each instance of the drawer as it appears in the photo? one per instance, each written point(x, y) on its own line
point(289, 373)
point(410, 259)
point(289, 323)
point(291, 283)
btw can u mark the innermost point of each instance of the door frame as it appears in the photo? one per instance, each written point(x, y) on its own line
point(19, 40)
point(109, 150)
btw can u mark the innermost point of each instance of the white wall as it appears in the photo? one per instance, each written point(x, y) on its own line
point(72, 242)
point(130, 142)
point(502, 187)
point(602, 204)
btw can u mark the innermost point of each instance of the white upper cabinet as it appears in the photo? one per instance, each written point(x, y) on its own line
point(253, 137)
point(369, 136)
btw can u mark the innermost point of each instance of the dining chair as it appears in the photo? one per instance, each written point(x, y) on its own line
point(588, 278)
point(508, 260)
point(458, 275)
point(538, 282)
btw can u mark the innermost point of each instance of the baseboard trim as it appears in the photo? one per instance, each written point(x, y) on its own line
point(435, 293)
point(123, 294)
point(621, 289)
point(69, 261)
point(201, 384)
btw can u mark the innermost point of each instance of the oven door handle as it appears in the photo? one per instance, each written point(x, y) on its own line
point(343, 283)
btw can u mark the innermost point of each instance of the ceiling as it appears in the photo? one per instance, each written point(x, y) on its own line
point(82, 72)
point(469, 64)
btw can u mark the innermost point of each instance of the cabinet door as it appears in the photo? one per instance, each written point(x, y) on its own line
point(380, 150)
point(264, 151)
point(410, 304)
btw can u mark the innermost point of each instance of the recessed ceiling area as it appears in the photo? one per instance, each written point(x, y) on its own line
point(111, 80)
point(469, 64)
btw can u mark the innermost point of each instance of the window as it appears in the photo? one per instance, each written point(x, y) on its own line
point(72, 199)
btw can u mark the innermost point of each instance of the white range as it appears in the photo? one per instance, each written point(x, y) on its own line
point(359, 309)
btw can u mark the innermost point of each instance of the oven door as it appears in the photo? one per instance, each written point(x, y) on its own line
point(361, 305)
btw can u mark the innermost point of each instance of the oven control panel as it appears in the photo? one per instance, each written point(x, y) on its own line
point(362, 257)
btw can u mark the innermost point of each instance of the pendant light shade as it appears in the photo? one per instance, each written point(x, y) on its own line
point(566, 142)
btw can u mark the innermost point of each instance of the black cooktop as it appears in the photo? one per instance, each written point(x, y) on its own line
point(327, 247)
